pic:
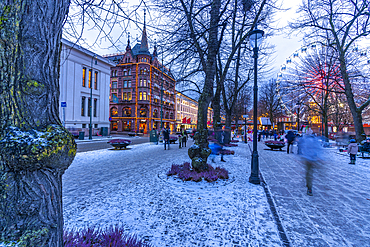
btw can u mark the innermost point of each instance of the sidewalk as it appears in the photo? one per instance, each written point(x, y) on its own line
point(130, 188)
point(338, 213)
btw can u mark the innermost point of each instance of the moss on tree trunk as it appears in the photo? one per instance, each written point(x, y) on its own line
point(35, 149)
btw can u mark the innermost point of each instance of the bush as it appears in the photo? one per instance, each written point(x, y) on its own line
point(185, 173)
point(96, 237)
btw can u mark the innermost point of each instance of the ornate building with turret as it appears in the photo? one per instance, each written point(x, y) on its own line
point(141, 88)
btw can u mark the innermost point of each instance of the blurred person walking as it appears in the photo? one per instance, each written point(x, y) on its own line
point(352, 151)
point(311, 152)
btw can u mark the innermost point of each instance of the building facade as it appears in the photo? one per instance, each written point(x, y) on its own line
point(82, 72)
point(142, 90)
point(186, 112)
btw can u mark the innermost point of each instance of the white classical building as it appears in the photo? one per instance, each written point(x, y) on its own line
point(79, 70)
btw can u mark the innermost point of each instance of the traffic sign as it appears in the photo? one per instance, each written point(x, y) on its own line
point(110, 118)
point(63, 104)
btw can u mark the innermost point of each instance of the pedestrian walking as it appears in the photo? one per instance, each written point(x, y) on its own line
point(184, 137)
point(180, 137)
point(215, 150)
point(166, 138)
point(290, 138)
point(311, 153)
point(352, 151)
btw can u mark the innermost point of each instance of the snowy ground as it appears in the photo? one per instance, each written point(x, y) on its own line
point(338, 212)
point(129, 187)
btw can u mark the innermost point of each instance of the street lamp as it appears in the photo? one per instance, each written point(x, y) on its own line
point(299, 108)
point(255, 38)
point(91, 88)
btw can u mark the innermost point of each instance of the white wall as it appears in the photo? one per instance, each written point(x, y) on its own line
point(73, 59)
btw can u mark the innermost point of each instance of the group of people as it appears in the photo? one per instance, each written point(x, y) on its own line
point(182, 138)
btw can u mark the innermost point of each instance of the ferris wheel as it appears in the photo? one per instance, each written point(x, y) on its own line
point(312, 74)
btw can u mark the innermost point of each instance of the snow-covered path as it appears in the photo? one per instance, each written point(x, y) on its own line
point(338, 213)
point(129, 187)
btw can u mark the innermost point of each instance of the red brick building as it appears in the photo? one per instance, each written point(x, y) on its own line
point(135, 90)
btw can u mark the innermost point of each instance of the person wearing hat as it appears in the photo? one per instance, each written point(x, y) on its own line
point(352, 150)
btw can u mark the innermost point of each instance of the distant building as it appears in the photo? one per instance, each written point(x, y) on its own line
point(79, 70)
point(186, 112)
point(137, 80)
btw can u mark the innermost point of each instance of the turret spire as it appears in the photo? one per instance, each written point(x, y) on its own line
point(144, 47)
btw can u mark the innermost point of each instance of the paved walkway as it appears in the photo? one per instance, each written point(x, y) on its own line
point(130, 188)
point(338, 213)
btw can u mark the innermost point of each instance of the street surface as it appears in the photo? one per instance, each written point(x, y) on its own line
point(90, 145)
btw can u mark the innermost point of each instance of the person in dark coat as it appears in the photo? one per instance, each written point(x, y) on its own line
point(366, 146)
point(184, 137)
point(166, 138)
point(290, 138)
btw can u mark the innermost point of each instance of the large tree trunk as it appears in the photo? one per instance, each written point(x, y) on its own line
point(200, 151)
point(356, 112)
point(35, 149)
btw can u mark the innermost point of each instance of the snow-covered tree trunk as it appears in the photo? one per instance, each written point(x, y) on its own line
point(35, 149)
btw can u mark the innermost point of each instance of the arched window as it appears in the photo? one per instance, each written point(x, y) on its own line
point(142, 112)
point(155, 113)
point(126, 112)
point(113, 112)
point(166, 117)
point(171, 115)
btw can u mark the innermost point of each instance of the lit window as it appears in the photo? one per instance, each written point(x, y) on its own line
point(129, 83)
point(125, 84)
point(129, 96)
point(144, 84)
point(124, 96)
point(144, 95)
point(84, 77)
point(141, 96)
point(90, 78)
point(114, 112)
point(114, 84)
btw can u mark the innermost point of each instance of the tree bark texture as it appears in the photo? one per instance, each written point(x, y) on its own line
point(35, 149)
point(200, 151)
point(356, 111)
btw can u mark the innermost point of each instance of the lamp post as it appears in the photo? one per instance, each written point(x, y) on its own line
point(91, 89)
point(299, 108)
point(255, 38)
point(245, 124)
